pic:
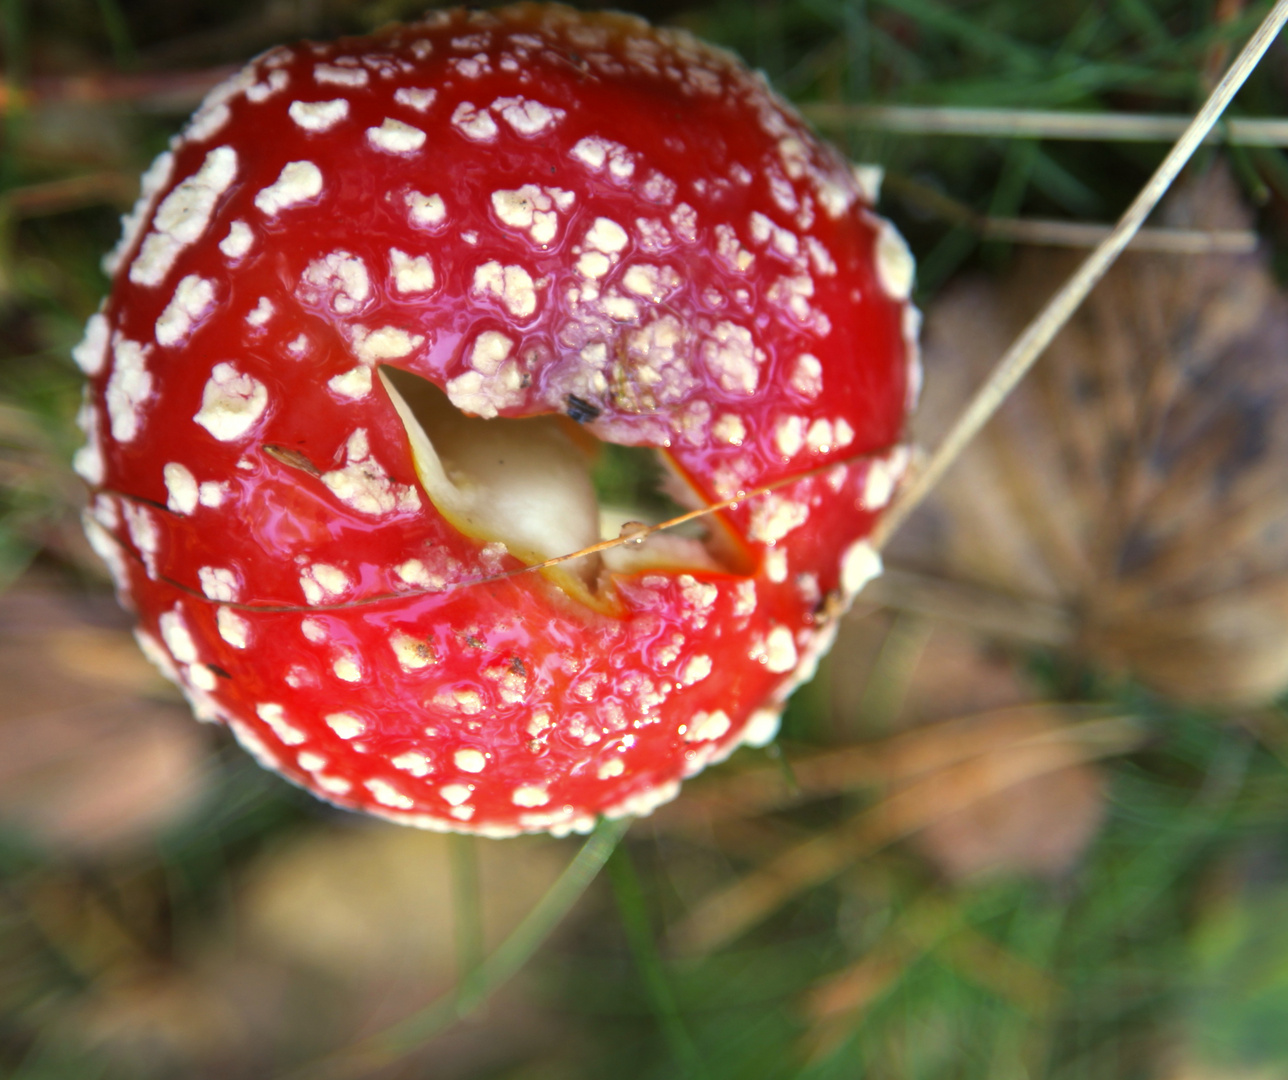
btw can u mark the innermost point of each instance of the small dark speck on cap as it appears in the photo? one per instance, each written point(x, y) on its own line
point(581, 410)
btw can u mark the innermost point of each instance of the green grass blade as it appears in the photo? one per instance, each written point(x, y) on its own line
point(118, 33)
point(467, 907)
point(495, 971)
point(639, 934)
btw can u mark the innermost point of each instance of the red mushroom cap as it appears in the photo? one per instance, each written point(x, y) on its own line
point(353, 271)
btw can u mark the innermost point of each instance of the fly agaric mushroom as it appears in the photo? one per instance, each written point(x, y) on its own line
point(372, 310)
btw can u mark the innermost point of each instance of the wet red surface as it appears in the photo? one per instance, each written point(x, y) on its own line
point(632, 231)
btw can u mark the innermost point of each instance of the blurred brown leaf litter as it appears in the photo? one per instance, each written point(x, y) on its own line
point(1003, 792)
point(1135, 489)
point(96, 753)
point(1129, 488)
point(98, 758)
point(1125, 512)
point(1137, 480)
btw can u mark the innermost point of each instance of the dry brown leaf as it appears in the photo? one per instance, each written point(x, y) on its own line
point(156, 1022)
point(913, 755)
point(1047, 745)
point(1139, 479)
point(1038, 827)
point(375, 903)
point(90, 760)
point(1198, 1070)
